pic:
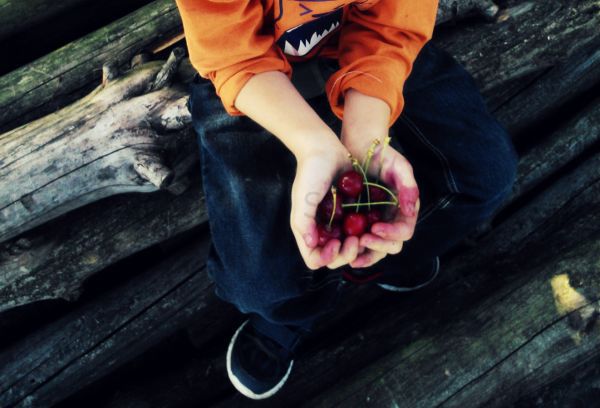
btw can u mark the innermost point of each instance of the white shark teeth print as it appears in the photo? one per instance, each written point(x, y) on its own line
point(306, 45)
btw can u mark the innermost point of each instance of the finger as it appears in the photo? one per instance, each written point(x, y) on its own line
point(378, 244)
point(306, 196)
point(367, 259)
point(347, 254)
point(318, 257)
point(401, 228)
point(399, 174)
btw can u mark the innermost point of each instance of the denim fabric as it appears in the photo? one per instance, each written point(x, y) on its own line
point(463, 161)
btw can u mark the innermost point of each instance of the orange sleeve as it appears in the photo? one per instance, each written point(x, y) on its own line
point(377, 47)
point(227, 44)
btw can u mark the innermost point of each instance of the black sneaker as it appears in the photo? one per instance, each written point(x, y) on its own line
point(258, 365)
point(415, 281)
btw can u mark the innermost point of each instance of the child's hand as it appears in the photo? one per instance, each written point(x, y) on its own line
point(388, 237)
point(316, 170)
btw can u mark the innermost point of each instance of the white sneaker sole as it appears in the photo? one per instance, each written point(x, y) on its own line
point(393, 288)
point(238, 384)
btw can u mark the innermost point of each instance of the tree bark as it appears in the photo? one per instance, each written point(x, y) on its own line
point(55, 362)
point(17, 16)
point(108, 143)
point(531, 40)
point(57, 79)
point(535, 329)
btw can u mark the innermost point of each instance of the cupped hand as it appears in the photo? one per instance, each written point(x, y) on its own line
point(384, 238)
point(315, 173)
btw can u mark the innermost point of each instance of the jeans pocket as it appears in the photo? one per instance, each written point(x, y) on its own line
point(431, 168)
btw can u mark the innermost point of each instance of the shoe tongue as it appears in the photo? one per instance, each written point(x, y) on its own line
point(284, 337)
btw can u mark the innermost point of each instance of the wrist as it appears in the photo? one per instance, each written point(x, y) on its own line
point(308, 144)
point(366, 118)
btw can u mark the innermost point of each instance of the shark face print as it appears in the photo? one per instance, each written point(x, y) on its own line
point(311, 21)
point(300, 40)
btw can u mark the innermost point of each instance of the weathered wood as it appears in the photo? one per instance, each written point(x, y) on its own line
point(450, 10)
point(52, 261)
point(563, 83)
point(548, 157)
point(89, 342)
point(580, 387)
point(17, 16)
point(558, 150)
point(52, 81)
point(96, 147)
point(534, 38)
point(509, 344)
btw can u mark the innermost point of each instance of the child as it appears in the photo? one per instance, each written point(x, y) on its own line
point(278, 81)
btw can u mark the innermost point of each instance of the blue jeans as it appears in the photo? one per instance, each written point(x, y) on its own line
point(463, 161)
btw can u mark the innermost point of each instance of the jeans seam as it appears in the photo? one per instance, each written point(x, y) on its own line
point(443, 202)
point(450, 181)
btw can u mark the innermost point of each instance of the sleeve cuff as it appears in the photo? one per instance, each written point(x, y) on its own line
point(228, 82)
point(369, 78)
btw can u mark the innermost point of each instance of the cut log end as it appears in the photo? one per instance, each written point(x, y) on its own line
point(150, 167)
point(110, 71)
point(168, 70)
point(140, 59)
point(489, 10)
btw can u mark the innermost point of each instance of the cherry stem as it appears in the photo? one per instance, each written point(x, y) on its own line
point(367, 204)
point(386, 142)
point(384, 188)
point(334, 194)
point(357, 165)
point(367, 164)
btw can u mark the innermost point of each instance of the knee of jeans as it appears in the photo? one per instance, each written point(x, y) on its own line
point(497, 170)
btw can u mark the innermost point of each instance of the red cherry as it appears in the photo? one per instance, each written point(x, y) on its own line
point(376, 194)
point(355, 224)
point(374, 215)
point(325, 208)
point(350, 200)
point(350, 183)
point(326, 234)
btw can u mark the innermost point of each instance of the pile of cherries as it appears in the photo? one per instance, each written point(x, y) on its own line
point(353, 204)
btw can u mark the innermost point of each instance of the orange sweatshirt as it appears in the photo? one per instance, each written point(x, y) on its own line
point(375, 42)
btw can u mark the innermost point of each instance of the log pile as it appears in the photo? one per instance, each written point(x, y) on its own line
point(97, 184)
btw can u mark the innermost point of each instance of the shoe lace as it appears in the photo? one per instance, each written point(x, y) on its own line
point(260, 343)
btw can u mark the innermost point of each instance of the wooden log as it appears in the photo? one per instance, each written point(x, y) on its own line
point(562, 84)
point(558, 150)
point(107, 143)
point(579, 387)
point(18, 16)
point(532, 38)
point(452, 10)
point(547, 158)
point(52, 261)
point(505, 347)
point(56, 361)
point(53, 81)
